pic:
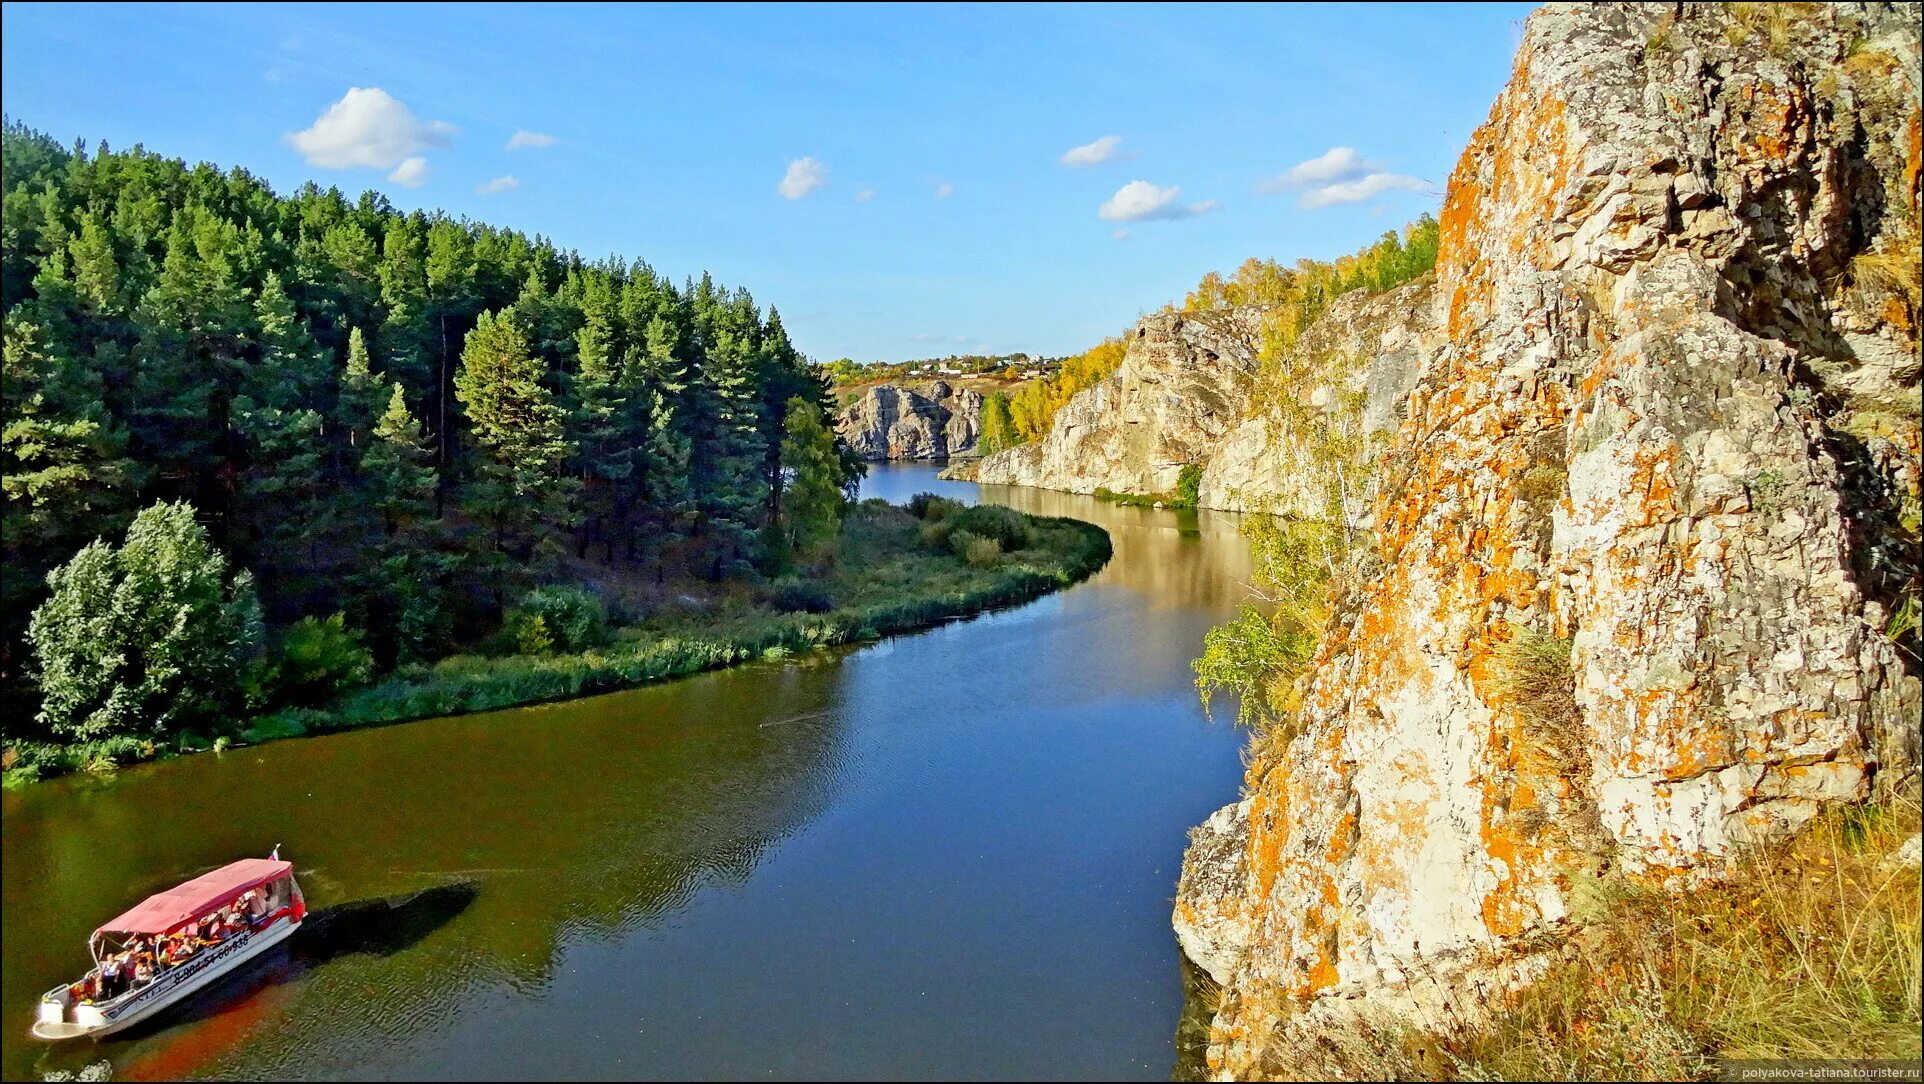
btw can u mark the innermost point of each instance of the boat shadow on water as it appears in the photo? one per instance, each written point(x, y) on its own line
point(379, 927)
point(224, 1012)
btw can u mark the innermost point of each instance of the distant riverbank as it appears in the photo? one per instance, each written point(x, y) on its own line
point(900, 570)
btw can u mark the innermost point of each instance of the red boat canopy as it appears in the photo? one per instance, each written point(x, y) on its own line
point(167, 911)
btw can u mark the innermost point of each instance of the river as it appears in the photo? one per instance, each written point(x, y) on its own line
point(947, 855)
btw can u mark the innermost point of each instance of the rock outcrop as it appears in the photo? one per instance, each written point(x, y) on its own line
point(1668, 423)
point(1183, 384)
point(892, 422)
point(1190, 390)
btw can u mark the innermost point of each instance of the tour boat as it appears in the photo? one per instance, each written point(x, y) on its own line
point(262, 906)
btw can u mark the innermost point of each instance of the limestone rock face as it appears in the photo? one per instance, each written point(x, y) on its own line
point(1364, 353)
point(1190, 390)
point(1183, 384)
point(1210, 923)
point(1670, 420)
point(893, 422)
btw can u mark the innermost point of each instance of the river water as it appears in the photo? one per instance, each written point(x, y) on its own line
point(948, 855)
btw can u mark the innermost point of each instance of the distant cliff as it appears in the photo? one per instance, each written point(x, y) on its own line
point(889, 421)
point(1191, 390)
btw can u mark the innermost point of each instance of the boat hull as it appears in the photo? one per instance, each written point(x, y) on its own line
point(170, 988)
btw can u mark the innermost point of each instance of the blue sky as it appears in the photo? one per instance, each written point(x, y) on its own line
point(934, 212)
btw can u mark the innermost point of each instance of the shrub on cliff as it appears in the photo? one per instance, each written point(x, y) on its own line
point(1258, 656)
point(1189, 485)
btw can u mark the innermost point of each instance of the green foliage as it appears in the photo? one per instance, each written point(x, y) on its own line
point(1188, 492)
point(527, 633)
point(398, 467)
point(886, 585)
point(1259, 656)
point(1189, 485)
point(394, 415)
point(1241, 656)
point(1006, 527)
point(979, 552)
point(998, 425)
point(573, 619)
point(928, 506)
point(795, 594)
point(146, 639)
point(811, 502)
point(320, 657)
point(520, 491)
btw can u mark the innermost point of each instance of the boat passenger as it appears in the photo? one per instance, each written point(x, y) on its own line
point(113, 973)
point(144, 970)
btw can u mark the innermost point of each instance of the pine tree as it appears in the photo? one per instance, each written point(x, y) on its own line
point(520, 491)
point(96, 274)
point(284, 499)
point(606, 450)
point(361, 394)
point(398, 467)
point(726, 466)
point(62, 467)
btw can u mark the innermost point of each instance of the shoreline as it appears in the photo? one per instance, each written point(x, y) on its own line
point(470, 684)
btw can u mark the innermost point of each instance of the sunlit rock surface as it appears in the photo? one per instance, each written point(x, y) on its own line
point(937, 421)
point(1670, 417)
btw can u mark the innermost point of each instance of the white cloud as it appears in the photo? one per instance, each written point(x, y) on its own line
point(411, 173)
point(367, 128)
point(1336, 176)
point(1120, 235)
point(804, 175)
point(524, 138)
point(1140, 201)
point(1093, 154)
point(863, 195)
point(1334, 164)
point(1358, 190)
point(944, 190)
point(499, 184)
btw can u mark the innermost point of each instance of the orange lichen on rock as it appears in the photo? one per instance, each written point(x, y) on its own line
point(1609, 453)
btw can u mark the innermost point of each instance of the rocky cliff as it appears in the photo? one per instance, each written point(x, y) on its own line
point(936, 421)
point(1191, 390)
point(1666, 423)
point(1183, 385)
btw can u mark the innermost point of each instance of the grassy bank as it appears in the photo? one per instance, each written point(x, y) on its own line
point(897, 571)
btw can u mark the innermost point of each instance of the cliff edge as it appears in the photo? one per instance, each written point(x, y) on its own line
point(1666, 428)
